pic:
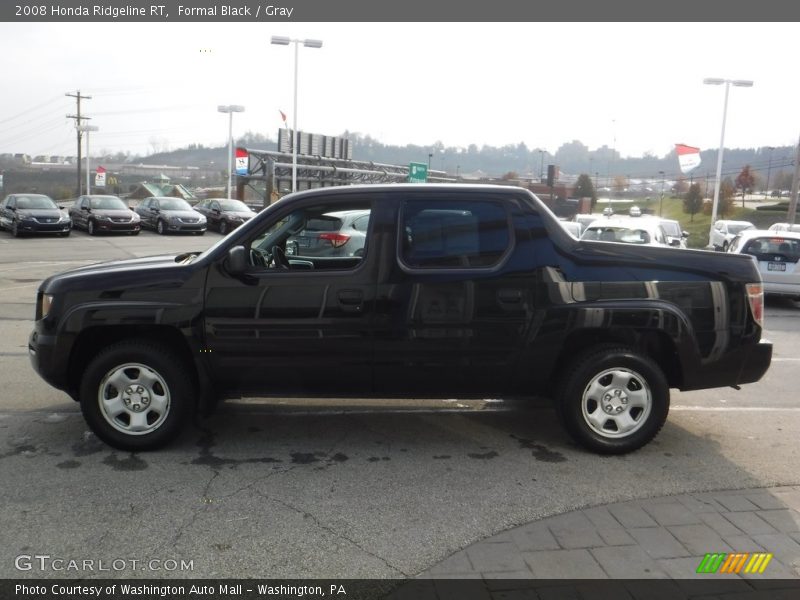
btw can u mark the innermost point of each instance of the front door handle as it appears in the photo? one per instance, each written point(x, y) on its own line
point(351, 300)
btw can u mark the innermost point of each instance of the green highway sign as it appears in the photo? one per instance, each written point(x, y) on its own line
point(417, 172)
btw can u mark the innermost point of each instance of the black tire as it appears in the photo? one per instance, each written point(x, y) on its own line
point(223, 227)
point(725, 246)
point(90, 227)
point(159, 394)
point(607, 389)
point(161, 229)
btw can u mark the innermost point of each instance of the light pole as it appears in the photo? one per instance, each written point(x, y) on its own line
point(430, 156)
point(230, 109)
point(769, 168)
point(541, 165)
point(87, 129)
point(285, 41)
point(727, 82)
point(661, 202)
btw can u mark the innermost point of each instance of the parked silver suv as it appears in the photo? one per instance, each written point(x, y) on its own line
point(331, 234)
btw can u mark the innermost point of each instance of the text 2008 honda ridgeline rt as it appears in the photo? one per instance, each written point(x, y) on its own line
point(402, 290)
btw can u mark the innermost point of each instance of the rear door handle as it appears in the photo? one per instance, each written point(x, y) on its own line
point(509, 296)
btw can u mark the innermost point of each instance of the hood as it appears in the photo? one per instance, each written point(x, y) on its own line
point(116, 213)
point(39, 212)
point(242, 214)
point(183, 214)
point(156, 270)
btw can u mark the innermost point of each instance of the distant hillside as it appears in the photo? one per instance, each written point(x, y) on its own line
point(572, 158)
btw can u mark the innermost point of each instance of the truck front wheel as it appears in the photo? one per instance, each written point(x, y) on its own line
point(136, 396)
point(613, 400)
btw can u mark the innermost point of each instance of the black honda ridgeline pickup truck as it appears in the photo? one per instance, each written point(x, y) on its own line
point(416, 291)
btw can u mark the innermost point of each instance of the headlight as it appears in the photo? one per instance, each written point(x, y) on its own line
point(102, 217)
point(45, 303)
point(174, 220)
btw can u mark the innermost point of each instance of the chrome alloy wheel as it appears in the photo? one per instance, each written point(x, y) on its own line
point(616, 402)
point(134, 399)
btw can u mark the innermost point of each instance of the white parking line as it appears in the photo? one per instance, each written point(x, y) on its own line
point(785, 359)
point(18, 287)
point(736, 408)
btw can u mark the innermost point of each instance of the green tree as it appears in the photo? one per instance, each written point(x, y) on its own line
point(584, 188)
point(745, 181)
point(693, 200)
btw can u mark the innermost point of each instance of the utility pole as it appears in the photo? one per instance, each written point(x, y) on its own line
point(78, 118)
point(790, 216)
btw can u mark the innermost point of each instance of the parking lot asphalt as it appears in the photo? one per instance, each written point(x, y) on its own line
point(411, 489)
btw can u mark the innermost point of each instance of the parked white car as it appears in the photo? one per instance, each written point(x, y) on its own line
point(724, 231)
point(627, 230)
point(785, 227)
point(777, 254)
point(573, 227)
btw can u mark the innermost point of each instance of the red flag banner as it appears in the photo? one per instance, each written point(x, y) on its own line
point(241, 161)
point(688, 157)
point(283, 116)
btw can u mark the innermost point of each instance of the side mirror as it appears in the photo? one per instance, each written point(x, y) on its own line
point(236, 263)
point(684, 234)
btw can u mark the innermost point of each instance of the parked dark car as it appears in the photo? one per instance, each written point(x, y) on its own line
point(170, 215)
point(33, 213)
point(460, 291)
point(340, 233)
point(224, 214)
point(107, 214)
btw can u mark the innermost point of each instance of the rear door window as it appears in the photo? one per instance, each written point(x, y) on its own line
point(453, 234)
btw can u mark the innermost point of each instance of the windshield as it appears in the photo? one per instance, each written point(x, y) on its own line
point(26, 202)
point(108, 202)
point(672, 229)
point(233, 205)
point(173, 204)
point(737, 227)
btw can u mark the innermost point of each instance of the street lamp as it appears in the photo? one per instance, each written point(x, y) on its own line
point(87, 129)
point(541, 165)
point(430, 156)
point(769, 168)
point(728, 83)
point(230, 109)
point(661, 202)
point(285, 41)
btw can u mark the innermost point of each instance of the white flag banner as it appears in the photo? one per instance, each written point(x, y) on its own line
point(688, 157)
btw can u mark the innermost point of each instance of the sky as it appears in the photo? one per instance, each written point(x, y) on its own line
point(635, 87)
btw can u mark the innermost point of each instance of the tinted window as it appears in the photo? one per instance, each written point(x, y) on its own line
point(234, 205)
point(107, 202)
point(174, 204)
point(35, 201)
point(453, 234)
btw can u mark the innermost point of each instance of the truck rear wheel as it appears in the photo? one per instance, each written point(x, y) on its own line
point(613, 400)
point(136, 396)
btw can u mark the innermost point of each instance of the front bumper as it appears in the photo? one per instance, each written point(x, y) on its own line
point(46, 359)
point(37, 227)
point(112, 227)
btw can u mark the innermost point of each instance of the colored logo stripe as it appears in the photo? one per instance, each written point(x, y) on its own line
point(734, 563)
